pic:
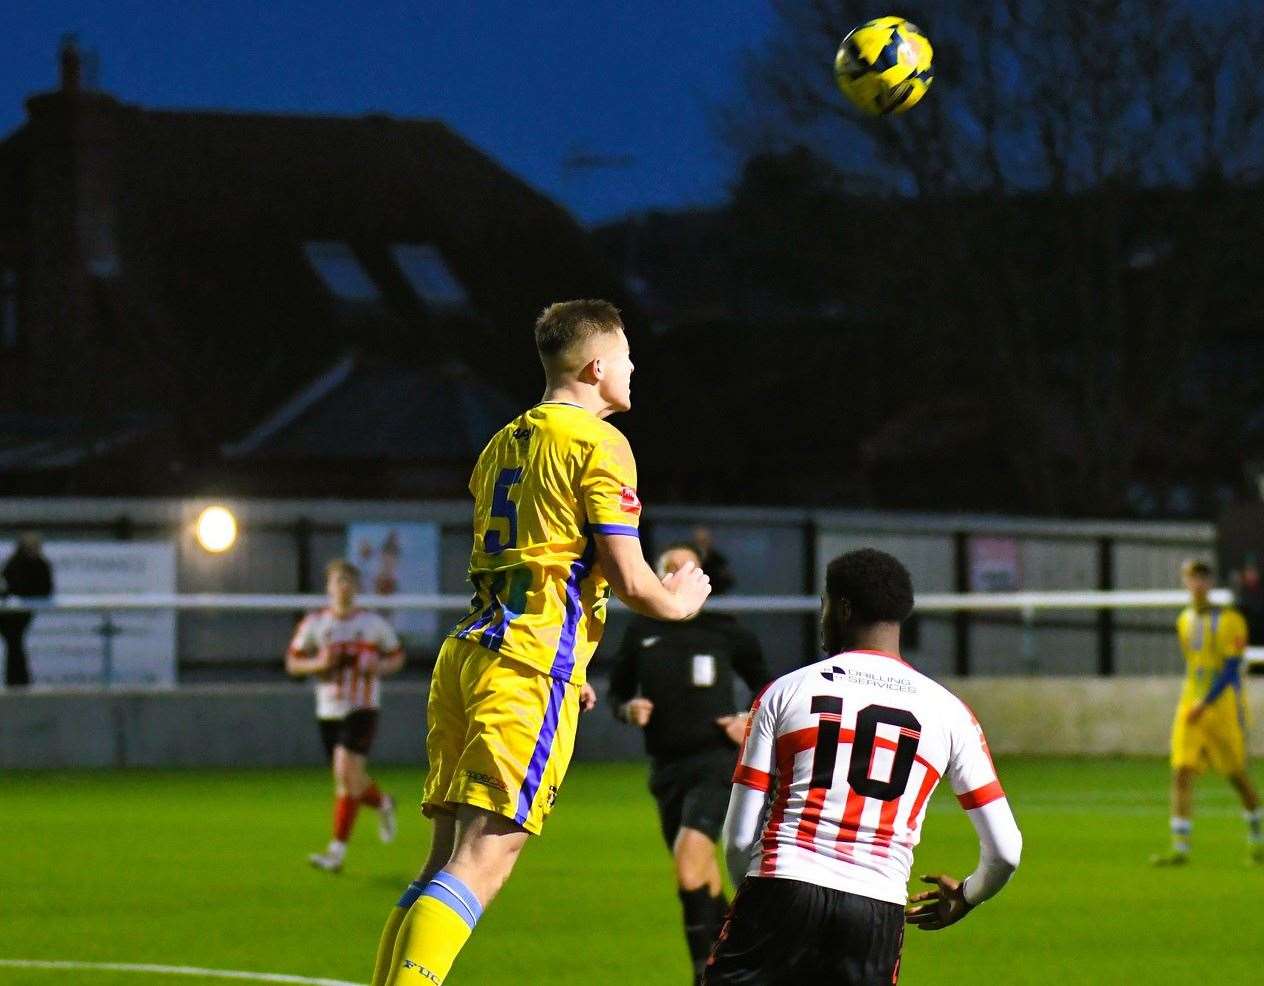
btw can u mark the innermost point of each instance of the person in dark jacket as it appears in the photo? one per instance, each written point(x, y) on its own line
point(28, 575)
point(676, 681)
point(714, 564)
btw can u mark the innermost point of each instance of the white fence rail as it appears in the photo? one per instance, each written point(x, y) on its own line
point(1026, 604)
point(926, 603)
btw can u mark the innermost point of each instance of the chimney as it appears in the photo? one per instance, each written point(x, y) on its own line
point(71, 65)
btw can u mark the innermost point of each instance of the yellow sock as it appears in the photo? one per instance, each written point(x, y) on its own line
point(432, 933)
point(386, 946)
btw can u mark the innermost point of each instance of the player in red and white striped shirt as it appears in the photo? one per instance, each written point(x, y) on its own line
point(347, 650)
point(849, 750)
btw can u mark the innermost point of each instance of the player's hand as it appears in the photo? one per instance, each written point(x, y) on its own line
point(938, 908)
point(326, 660)
point(587, 698)
point(690, 585)
point(734, 726)
point(1196, 712)
point(637, 711)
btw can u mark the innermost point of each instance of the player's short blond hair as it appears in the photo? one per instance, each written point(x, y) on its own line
point(566, 325)
point(340, 566)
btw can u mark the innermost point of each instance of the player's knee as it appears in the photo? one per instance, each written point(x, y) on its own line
point(484, 873)
point(487, 845)
point(694, 857)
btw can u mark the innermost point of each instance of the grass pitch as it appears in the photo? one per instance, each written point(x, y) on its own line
point(207, 869)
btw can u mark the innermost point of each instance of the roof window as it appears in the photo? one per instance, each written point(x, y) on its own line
point(340, 271)
point(429, 275)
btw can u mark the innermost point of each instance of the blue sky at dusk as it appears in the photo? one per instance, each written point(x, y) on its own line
point(533, 84)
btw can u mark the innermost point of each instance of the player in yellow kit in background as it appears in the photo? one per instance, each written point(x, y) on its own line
point(556, 518)
point(1210, 725)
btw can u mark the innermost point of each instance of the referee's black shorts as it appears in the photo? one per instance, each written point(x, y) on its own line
point(788, 933)
point(693, 792)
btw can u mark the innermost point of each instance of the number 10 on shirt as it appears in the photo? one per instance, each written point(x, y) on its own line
point(864, 742)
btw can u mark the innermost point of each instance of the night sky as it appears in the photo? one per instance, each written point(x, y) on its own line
point(532, 84)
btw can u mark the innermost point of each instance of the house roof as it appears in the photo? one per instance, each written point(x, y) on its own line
point(360, 410)
point(199, 254)
point(33, 443)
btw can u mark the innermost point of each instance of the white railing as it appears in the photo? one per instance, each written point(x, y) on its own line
point(1027, 604)
point(1022, 602)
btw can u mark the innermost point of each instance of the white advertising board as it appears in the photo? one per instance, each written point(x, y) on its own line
point(70, 648)
point(399, 558)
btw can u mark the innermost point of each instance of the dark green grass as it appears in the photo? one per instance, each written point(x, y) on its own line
point(208, 869)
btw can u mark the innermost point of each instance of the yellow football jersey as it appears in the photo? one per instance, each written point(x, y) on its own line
point(542, 487)
point(1208, 637)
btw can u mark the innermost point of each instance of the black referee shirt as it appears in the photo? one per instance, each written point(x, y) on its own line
point(687, 670)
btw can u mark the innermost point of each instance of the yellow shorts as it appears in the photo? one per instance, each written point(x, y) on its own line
point(500, 735)
point(1217, 740)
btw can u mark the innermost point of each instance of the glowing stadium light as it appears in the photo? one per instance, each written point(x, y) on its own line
point(216, 529)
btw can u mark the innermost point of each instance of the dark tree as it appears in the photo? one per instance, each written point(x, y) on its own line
point(1078, 198)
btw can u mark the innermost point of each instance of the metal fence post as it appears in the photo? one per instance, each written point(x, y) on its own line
point(108, 631)
point(961, 580)
point(1105, 615)
point(811, 622)
point(303, 551)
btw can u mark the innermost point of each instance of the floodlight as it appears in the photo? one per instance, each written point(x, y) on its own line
point(216, 529)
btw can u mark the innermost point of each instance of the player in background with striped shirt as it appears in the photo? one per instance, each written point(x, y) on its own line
point(347, 650)
point(852, 748)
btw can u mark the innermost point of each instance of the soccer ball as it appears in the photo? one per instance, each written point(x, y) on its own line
point(884, 66)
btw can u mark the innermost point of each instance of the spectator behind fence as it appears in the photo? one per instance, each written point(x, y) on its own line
point(28, 575)
point(714, 564)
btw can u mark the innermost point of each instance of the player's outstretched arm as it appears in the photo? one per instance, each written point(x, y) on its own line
point(1000, 848)
point(678, 596)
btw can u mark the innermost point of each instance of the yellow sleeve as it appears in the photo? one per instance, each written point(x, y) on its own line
point(608, 488)
point(1231, 634)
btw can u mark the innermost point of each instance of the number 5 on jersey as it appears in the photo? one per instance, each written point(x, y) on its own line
point(503, 509)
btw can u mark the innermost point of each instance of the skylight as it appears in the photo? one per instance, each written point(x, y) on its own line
point(429, 275)
point(340, 271)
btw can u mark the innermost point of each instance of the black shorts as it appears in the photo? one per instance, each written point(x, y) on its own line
point(693, 792)
point(787, 933)
point(354, 732)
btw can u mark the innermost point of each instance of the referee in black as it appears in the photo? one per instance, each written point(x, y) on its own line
point(675, 681)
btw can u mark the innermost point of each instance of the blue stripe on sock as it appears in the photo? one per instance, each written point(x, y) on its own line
point(448, 890)
point(410, 895)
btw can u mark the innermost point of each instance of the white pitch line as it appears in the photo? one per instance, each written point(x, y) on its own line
point(174, 970)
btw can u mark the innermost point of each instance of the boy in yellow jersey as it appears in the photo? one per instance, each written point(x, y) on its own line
point(1210, 725)
point(555, 530)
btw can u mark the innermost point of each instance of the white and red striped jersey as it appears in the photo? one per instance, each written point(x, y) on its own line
point(851, 749)
point(360, 640)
